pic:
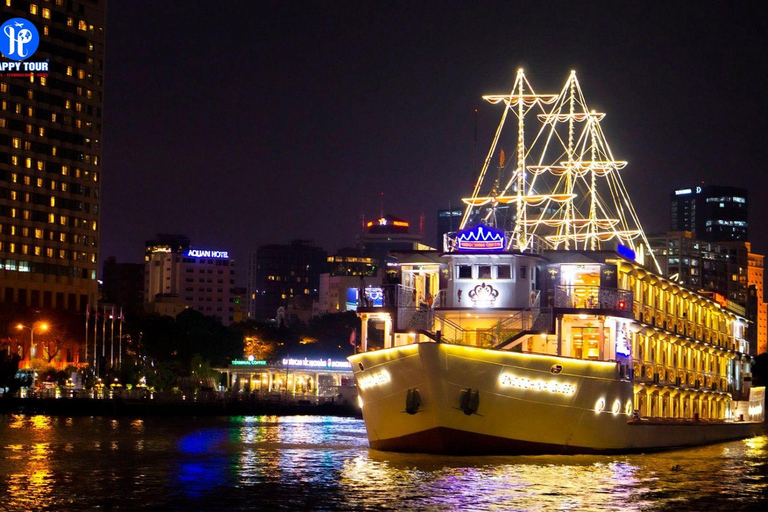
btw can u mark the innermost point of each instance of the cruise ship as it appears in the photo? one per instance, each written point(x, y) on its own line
point(543, 325)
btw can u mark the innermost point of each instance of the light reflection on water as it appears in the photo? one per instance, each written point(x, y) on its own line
point(323, 463)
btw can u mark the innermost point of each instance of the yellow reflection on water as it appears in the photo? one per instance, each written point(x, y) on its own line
point(756, 446)
point(40, 422)
point(33, 487)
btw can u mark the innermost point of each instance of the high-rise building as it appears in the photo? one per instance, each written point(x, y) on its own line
point(50, 152)
point(178, 276)
point(278, 273)
point(123, 285)
point(713, 213)
point(448, 221)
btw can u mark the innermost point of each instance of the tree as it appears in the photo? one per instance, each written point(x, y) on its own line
point(9, 366)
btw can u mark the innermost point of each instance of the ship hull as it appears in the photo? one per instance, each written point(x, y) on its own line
point(449, 399)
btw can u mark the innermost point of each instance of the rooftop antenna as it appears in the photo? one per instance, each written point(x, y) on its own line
point(381, 203)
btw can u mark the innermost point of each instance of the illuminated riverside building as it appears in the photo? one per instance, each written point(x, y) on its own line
point(309, 379)
point(178, 276)
point(50, 159)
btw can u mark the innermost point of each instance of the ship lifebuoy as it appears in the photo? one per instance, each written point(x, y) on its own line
point(533, 297)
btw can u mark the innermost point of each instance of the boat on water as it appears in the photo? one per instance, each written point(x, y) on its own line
point(544, 325)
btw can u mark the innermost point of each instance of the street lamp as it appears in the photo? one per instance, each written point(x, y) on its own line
point(37, 326)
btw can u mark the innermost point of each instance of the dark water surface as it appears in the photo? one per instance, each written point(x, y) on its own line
point(324, 463)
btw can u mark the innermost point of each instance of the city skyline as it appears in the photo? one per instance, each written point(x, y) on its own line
point(289, 121)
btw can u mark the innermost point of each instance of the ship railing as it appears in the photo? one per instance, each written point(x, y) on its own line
point(593, 297)
point(527, 320)
point(415, 319)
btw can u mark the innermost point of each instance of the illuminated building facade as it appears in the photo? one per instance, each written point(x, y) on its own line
point(278, 273)
point(50, 159)
point(314, 380)
point(713, 213)
point(760, 316)
point(178, 276)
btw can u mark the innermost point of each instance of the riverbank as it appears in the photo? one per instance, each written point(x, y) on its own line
point(180, 407)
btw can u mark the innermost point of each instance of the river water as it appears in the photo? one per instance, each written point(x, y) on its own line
point(324, 463)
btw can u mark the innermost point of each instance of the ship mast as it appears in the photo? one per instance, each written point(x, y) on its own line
point(521, 100)
point(572, 196)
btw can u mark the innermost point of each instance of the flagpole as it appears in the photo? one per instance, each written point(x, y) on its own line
point(87, 313)
point(95, 338)
point(104, 333)
point(112, 338)
point(120, 341)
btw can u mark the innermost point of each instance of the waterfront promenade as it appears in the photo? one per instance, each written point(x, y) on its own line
point(176, 404)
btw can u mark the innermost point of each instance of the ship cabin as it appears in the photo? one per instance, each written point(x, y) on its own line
point(685, 353)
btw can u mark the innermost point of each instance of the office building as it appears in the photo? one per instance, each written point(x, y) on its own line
point(712, 213)
point(50, 153)
point(278, 273)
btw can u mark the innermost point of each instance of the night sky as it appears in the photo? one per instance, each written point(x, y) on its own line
point(246, 123)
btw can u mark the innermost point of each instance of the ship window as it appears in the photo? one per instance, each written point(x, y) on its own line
point(464, 271)
point(503, 272)
point(523, 271)
point(483, 271)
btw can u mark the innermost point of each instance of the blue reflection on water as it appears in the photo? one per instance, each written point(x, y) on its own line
point(205, 468)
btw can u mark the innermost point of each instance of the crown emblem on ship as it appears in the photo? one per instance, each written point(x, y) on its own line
point(483, 295)
point(480, 237)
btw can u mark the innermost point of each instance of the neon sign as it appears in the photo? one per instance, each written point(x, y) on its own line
point(243, 362)
point(200, 253)
point(480, 238)
point(375, 296)
point(507, 380)
point(383, 222)
point(317, 363)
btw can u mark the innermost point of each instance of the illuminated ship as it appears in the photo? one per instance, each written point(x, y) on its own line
point(544, 326)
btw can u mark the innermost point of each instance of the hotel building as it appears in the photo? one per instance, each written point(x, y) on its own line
point(50, 158)
point(178, 276)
